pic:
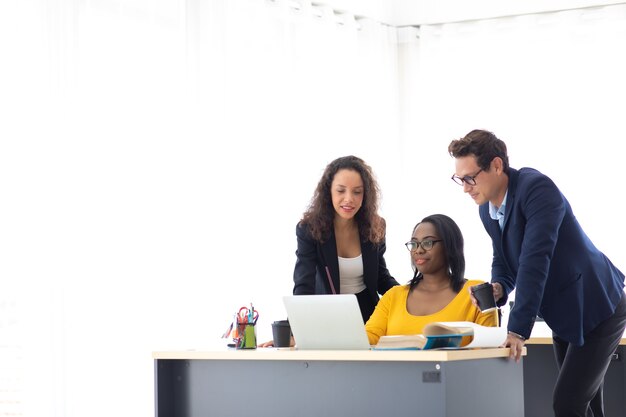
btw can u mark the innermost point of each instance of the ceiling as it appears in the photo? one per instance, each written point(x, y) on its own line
point(419, 12)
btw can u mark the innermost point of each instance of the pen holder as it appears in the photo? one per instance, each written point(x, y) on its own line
point(247, 336)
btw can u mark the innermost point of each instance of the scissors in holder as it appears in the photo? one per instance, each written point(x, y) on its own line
point(247, 315)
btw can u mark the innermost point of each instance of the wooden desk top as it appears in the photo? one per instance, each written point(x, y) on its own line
point(287, 354)
point(542, 335)
point(545, 340)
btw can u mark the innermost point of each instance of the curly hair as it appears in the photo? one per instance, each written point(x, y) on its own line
point(320, 214)
point(450, 233)
point(484, 145)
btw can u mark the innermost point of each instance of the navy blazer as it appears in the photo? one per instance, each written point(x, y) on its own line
point(313, 257)
point(543, 252)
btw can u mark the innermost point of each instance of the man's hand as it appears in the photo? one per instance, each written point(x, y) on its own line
point(498, 291)
point(516, 345)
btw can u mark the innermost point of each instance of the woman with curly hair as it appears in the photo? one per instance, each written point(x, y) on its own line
point(341, 237)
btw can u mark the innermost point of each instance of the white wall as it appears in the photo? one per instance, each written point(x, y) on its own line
point(155, 157)
point(549, 85)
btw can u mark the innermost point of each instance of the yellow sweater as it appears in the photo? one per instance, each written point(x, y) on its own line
point(392, 318)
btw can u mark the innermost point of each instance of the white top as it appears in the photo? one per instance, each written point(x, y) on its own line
point(351, 275)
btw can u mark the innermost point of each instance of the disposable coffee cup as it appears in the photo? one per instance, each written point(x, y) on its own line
point(484, 296)
point(282, 333)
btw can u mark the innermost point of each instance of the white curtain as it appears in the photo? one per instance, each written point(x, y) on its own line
point(550, 85)
point(155, 158)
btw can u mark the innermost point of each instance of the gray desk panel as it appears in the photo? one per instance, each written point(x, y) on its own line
point(197, 388)
point(540, 374)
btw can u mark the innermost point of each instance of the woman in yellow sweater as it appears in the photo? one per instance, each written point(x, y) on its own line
point(438, 290)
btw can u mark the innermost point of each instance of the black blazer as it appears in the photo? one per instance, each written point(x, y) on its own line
point(543, 252)
point(313, 258)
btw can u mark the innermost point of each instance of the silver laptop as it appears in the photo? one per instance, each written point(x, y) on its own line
point(326, 322)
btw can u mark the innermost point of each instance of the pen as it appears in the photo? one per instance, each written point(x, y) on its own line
point(332, 286)
point(227, 333)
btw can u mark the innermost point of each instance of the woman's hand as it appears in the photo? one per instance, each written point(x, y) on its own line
point(292, 343)
point(266, 344)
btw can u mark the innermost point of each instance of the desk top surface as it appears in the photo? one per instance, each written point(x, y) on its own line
point(287, 354)
point(547, 340)
point(542, 335)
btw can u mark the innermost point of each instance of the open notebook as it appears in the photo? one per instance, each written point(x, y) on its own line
point(326, 322)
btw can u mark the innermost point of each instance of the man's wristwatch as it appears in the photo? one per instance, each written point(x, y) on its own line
point(519, 336)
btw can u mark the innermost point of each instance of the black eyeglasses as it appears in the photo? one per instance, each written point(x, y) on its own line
point(426, 244)
point(468, 179)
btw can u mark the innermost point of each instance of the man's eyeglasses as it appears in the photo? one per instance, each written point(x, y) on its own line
point(426, 244)
point(468, 179)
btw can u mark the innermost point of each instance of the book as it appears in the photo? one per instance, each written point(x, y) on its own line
point(411, 341)
point(439, 335)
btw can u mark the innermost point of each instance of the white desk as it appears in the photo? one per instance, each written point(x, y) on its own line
point(287, 383)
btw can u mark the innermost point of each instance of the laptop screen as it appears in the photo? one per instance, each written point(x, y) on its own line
point(320, 322)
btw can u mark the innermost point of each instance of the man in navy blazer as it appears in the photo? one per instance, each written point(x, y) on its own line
point(541, 251)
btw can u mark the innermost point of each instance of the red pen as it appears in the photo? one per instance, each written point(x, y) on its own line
point(330, 280)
